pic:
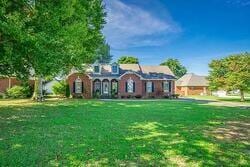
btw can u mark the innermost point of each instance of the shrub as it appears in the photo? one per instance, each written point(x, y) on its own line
point(67, 94)
point(175, 96)
point(166, 96)
point(2, 95)
point(129, 96)
point(19, 92)
point(59, 88)
point(138, 96)
point(97, 94)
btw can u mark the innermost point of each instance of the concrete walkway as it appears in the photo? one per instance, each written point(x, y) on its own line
point(244, 105)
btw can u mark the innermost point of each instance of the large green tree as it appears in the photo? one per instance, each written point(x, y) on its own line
point(175, 66)
point(43, 38)
point(231, 73)
point(103, 53)
point(128, 60)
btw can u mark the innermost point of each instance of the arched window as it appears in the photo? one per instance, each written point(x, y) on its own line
point(78, 85)
point(130, 85)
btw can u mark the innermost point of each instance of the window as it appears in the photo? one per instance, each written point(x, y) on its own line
point(166, 86)
point(97, 86)
point(105, 87)
point(130, 86)
point(114, 69)
point(78, 85)
point(114, 87)
point(96, 69)
point(149, 87)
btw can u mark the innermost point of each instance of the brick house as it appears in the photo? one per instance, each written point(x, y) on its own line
point(192, 84)
point(122, 81)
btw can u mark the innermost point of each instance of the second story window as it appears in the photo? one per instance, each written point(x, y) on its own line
point(96, 69)
point(114, 69)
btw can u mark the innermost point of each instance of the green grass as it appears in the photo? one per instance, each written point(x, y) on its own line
point(120, 133)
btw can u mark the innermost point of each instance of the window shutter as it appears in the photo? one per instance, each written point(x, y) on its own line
point(74, 87)
point(170, 85)
point(133, 86)
point(145, 86)
point(126, 86)
point(82, 87)
point(153, 87)
point(162, 85)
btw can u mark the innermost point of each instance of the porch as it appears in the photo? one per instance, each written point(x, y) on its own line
point(105, 88)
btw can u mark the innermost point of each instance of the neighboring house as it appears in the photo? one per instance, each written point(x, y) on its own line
point(48, 85)
point(219, 93)
point(123, 81)
point(192, 84)
point(9, 82)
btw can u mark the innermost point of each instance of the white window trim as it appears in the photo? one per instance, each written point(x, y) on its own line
point(99, 69)
point(78, 81)
point(130, 81)
point(167, 89)
point(117, 69)
point(149, 85)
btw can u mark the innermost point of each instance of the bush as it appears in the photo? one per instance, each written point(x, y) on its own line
point(2, 95)
point(97, 94)
point(59, 88)
point(67, 94)
point(175, 96)
point(138, 96)
point(19, 92)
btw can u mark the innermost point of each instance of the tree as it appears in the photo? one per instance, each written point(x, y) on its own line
point(103, 53)
point(128, 60)
point(175, 66)
point(231, 73)
point(44, 38)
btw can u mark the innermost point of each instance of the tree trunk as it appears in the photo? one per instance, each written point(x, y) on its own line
point(38, 90)
point(242, 98)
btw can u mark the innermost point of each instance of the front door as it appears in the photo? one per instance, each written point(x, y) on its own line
point(105, 88)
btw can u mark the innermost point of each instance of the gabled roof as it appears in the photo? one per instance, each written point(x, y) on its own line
point(146, 72)
point(192, 79)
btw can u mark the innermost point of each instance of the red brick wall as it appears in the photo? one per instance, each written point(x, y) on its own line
point(122, 86)
point(140, 87)
point(193, 90)
point(158, 89)
point(86, 84)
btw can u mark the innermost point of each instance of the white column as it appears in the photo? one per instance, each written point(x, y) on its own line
point(101, 86)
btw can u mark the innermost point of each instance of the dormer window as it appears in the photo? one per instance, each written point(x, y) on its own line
point(97, 69)
point(115, 68)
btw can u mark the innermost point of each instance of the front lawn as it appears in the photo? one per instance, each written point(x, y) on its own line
point(120, 133)
point(227, 98)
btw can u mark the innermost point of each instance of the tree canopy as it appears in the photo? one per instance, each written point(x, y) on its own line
point(103, 53)
point(47, 37)
point(231, 73)
point(175, 66)
point(128, 60)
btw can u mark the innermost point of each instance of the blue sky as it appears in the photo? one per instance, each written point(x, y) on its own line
point(193, 31)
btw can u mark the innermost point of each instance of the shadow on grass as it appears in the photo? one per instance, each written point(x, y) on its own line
point(76, 132)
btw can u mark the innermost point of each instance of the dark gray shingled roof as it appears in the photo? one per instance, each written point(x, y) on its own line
point(146, 72)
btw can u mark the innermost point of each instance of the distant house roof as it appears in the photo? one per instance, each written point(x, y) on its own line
point(192, 79)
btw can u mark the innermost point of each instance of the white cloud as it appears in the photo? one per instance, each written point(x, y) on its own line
point(239, 2)
point(131, 26)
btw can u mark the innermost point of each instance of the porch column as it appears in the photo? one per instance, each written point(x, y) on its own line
point(110, 87)
point(101, 86)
